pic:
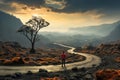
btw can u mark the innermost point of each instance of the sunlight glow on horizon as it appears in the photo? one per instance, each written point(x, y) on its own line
point(35, 15)
point(59, 22)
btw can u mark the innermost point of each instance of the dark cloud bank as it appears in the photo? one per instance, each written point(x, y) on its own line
point(75, 5)
point(35, 3)
point(87, 5)
point(111, 8)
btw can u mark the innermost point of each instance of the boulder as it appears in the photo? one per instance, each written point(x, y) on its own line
point(43, 73)
point(88, 77)
point(42, 70)
point(29, 73)
point(75, 69)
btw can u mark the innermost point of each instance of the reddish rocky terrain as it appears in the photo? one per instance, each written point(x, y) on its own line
point(11, 53)
point(109, 69)
point(108, 74)
point(109, 53)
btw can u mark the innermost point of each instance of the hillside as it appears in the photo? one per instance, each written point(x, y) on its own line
point(109, 54)
point(12, 53)
point(100, 30)
point(114, 35)
point(72, 39)
point(91, 35)
point(9, 25)
point(108, 49)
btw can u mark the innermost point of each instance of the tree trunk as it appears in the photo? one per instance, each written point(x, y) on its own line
point(32, 50)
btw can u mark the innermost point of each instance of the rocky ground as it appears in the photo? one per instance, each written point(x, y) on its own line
point(74, 74)
point(109, 69)
point(109, 53)
point(110, 56)
point(11, 53)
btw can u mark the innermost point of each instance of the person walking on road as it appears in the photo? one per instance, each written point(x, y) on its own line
point(63, 58)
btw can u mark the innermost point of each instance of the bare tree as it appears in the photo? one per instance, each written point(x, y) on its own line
point(31, 28)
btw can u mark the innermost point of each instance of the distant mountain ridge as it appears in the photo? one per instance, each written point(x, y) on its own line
point(114, 35)
point(9, 25)
point(111, 32)
point(100, 30)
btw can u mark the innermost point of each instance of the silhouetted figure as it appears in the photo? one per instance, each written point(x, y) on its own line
point(63, 57)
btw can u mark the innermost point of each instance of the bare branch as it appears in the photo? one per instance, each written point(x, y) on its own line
point(31, 29)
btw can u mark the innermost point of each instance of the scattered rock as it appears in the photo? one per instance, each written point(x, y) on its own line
point(75, 69)
point(43, 73)
point(42, 70)
point(18, 74)
point(108, 74)
point(74, 76)
point(7, 75)
point(88, 77)
point(83, 69)
point(54, 78)
point(29, 73)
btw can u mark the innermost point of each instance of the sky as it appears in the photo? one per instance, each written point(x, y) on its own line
point(64, 14)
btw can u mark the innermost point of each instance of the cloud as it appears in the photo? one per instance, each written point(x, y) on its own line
point(71, 6)
point(6, 7)
point(109, 9)
point(87, 5)
point(30, 3)
point(17, 5)
point(56, 4)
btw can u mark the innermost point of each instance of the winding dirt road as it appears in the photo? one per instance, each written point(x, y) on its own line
point(89, 62)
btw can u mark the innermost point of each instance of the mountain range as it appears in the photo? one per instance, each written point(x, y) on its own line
point(93, 35)
point(99, 30)
point(114, 35)
point(80, 36)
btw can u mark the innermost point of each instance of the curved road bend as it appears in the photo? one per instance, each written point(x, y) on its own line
point(89, 62)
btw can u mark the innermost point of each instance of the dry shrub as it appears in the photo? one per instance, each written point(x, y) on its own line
point(7, 62)
point(108, 74)
point(43, 62)
point(27, 59)
point(14, 61)
point(2, 60)
point(32, 63)
point(117, 59)
point(55, 78)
